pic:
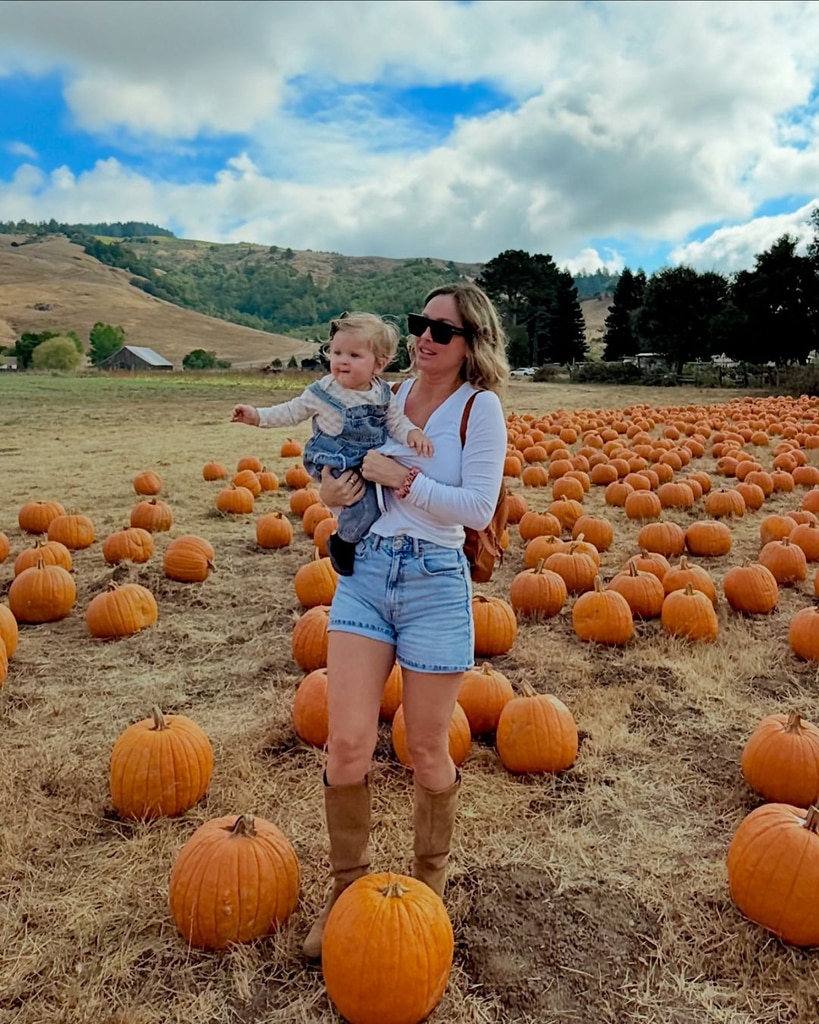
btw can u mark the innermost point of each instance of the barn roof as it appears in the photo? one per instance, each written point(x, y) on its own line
point(147, 355)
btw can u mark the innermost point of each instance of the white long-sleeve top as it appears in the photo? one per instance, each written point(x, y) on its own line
point(457, 486)
point(309, 405)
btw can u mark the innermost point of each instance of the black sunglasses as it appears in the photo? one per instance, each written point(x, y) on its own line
point(440, 332)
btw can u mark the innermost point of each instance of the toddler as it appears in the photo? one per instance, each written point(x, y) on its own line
point(353, 410)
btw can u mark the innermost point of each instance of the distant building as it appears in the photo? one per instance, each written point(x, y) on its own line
point(133, 357)
point(8, 364)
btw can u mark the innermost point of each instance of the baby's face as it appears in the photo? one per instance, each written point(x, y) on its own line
point(352, 361)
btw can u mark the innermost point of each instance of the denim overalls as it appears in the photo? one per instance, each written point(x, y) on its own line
point(364, 428)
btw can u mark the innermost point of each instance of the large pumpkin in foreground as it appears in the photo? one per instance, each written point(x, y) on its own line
point(236, 879)
point(387, 950)
point(160, 766)
point(773, 870)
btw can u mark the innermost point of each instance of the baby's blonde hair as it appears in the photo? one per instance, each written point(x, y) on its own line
point(381, 335)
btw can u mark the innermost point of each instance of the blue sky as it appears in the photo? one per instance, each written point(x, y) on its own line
point(619, 134)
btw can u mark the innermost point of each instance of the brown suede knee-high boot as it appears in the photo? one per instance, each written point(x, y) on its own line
point(347, 809)
point(434, 820)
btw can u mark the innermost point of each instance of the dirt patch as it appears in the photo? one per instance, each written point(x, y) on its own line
point(549, 954)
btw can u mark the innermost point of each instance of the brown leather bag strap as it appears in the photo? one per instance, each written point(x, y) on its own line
point(465, 416)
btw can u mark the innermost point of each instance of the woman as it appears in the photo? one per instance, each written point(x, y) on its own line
point(409, 598)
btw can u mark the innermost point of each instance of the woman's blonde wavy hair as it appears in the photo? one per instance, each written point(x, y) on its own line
point(485, 366)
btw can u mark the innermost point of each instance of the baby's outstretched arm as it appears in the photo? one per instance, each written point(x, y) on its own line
point(245, 414)
point(420, 442)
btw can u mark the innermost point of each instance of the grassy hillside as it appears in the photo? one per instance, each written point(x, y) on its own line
point(248, 304)
point(51, 284)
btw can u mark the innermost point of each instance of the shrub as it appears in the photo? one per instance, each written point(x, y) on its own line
point(58, 353)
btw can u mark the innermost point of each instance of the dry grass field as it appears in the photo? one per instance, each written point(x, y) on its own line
point(597, 896)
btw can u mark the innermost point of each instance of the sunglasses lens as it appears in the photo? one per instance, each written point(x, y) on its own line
point(440, 332)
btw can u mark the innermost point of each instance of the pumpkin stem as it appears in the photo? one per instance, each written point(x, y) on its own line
point(244, 826)
point(540, 563)
point(794, 723)
point(812, 819)
point(394, 889)
point(632, 568)
point(159, 718)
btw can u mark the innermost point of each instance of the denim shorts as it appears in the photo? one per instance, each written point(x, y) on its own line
point(412, 594)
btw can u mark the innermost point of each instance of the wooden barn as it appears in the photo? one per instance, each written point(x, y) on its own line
point(134, 357)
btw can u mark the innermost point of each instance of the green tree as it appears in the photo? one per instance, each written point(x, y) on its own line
point(778, 302)
point(678, 313)
point(567, 340)
point(104, 340)
point(58, 353)
point(199, 359)
point(26, 344)
point(524, 288)
point(620, 336)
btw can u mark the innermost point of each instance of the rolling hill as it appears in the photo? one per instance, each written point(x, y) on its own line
point(50, 283)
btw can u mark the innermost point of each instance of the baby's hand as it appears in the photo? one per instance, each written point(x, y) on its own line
point(420, 442)
point(245, 414)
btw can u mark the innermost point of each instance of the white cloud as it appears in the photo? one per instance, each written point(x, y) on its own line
point(589, 260)
point(21, 149)
point(733, 248)
point(631, 120)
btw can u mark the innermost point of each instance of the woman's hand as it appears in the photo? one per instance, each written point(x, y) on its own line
point(381, 469)
point(340, 491)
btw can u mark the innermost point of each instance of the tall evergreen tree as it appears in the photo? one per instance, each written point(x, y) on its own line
point(678, 313)
point(620, 336)
point(567, 341)
point(779, 304)
point(524, 288)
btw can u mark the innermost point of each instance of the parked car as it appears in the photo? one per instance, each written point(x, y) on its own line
point(524, 371)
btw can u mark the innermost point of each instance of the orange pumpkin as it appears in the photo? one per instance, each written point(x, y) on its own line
point(273, 530)
point(780, 761)
point(495, 626)
point(236, 879)
point(9, 633)
point(35, 516)
point(483, 693)
point(43, 593)
point(49, 552)
point(773, 871)
point(132, 544)
point(160, 767)
point(536, 732)
point(603, 617)
point(689, 614)
point(72, 531)
point(310, 715)
point(751, 588)
point(153, 515)
point(188, 559)
point(148, 482)
point(315, 583)
point(375, 919)
point(537, 593)
point(309, 638)
point(121, 611)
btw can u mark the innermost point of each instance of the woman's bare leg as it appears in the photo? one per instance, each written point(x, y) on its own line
point(357, 669)
point(429, 701)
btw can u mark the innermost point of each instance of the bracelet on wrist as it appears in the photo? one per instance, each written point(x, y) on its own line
point(406, 486)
